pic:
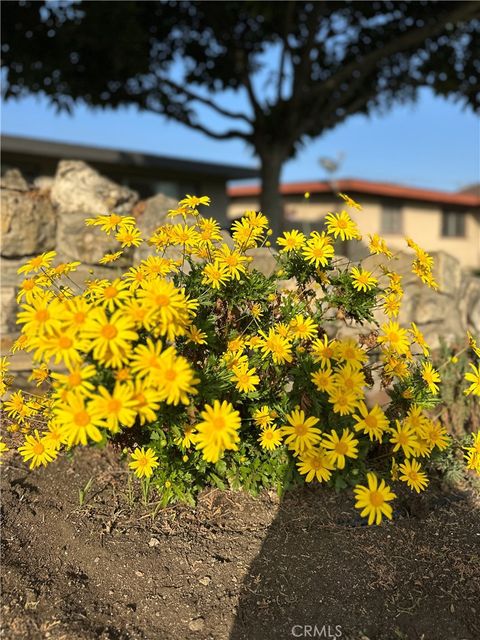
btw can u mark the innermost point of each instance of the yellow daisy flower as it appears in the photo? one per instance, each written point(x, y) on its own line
point(431, 377)
point(187, 439)
point(474, 378)
point(195, 335)
point(350, 351)
point(109, 336)
point(129, 236)
point(323, 350)
point(340, 447)
point(362, 280)
point(373, 423)
point(270, 438)
point(301, 433)
point(117, 408)
point(350, 202)
point(3, 449)
point(194, 201)
point(413, 475)
point(303, 328)
point(404, 437)
point(110, 257)
point(218, 430)
point(391, 305)
point(344, 401)
point(112, 295)
point(37, 263)
point(110, 222)
point(232, 260)
point(377, 245)
point(418, 337)
point(146, 400)
point(472, 343)
point(291, 241)
point(435, 435)
point(143, 462)
point(174, 378)
point(245, 379)
point(342, 225)
point(79, 422)
point(394, 337)
point(38, 450)
point(318, 249)
point(264, 417)
point(29, 289)
point(77, 379)
point(275, 345)
point(350, 379)
point(323, 380)
point(316, 464)
point(373, 500)
point(215, 274)
point(41, 316)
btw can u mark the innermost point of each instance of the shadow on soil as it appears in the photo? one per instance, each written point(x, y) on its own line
point(321, 573)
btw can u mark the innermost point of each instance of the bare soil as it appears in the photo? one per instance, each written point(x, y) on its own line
point(233, 567)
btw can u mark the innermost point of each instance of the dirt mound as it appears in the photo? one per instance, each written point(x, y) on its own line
point(234, 567)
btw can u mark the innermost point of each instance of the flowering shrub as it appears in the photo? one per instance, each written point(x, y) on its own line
point(208, 372)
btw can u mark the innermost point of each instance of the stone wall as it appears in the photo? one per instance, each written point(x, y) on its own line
point(50, 215)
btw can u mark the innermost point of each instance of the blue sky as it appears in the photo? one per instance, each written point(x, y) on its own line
point(433, 143)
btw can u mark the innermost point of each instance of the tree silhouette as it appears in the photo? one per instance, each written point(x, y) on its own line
point(298, 69)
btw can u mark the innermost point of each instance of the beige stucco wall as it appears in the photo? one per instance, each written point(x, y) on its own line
point(422, 222)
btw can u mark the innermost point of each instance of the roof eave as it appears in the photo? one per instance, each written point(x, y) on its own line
point(57, 150)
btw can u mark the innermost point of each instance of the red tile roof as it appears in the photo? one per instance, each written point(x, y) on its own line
point(365, 187)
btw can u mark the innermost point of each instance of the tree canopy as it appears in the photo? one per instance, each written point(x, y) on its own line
point(319, 62)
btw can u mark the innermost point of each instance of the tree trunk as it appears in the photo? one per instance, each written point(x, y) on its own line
point(271, 202)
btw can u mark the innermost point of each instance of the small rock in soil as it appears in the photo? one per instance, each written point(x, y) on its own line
point(153, 542)
point(197, 624)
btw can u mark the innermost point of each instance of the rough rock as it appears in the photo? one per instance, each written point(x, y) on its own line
point(196, 624)
point(44, 183)
point(78, 192)
point(263, 260)
point(469, 303)
point(79, 189)
point(429, 307)
point(447, 272)
point(13, 179)
point(76, 241)
point(9, 268)
point(150, 215)
point(227, 238)
point(8, 310)
point(28, 219)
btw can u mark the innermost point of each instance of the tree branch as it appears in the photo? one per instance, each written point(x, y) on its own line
point(257, 108)
point(411, 38)
point(301, 71)
point(206, 101)
point(224, 135)
point(364, 66)
point(247, 83)
point(182, 116)
point(285, 48)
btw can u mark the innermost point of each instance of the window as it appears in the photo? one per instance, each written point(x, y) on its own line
point(391, 220)
point(453, 224)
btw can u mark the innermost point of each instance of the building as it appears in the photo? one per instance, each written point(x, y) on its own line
point(145, 173)
point(437, 220)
